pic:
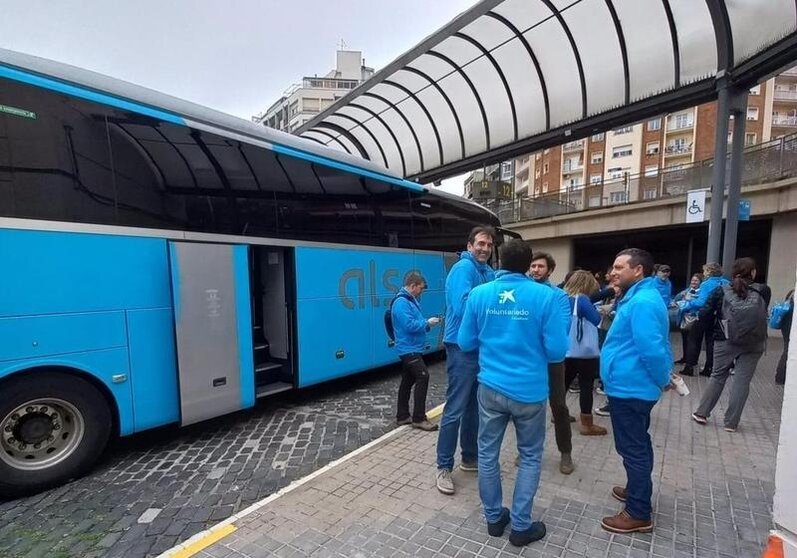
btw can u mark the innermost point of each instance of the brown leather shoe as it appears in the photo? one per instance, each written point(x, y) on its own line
point(619, 493)
point(587, 428)
point(624, 523)
point(425, 425)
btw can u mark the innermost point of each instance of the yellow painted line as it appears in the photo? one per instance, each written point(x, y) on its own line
point(436, 412)
point(212, 536)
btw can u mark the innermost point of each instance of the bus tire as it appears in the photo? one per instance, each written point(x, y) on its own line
point(53, 428)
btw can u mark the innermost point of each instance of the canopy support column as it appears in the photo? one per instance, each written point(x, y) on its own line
point(739, 111)
point(718, 173)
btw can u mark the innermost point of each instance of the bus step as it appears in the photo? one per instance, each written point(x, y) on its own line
point(271, 389)
point(267, 367)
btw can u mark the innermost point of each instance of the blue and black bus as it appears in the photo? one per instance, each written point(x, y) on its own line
point(163, 263)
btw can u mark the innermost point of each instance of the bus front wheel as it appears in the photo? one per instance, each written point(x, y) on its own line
point(53, 427)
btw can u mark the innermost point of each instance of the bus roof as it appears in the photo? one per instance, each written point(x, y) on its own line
point(107, 90)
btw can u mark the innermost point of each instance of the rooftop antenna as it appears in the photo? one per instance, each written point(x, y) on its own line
point(342, 45)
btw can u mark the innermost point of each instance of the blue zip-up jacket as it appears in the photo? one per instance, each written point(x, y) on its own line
point(518, 327)
point(466, 274)
point(665, 290)
point(636, 357)
point(706, 288)
point(409, 325)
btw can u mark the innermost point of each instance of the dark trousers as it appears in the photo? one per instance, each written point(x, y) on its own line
point(586, 369)
point(556, 399)
point(630, 424)
point(696, 336)
point(685, 342)
point(413, 372)
point(780, 371)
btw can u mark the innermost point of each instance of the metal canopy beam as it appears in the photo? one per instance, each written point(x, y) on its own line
point(666, 58)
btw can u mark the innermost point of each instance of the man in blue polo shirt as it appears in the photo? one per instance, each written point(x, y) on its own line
point(518, 328)
point(635, 368)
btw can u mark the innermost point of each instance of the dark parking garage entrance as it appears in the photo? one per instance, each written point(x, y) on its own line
point(682, 247)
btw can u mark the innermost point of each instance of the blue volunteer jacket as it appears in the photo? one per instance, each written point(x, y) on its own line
point(636, 357)
point(706, 288)
point(518, 327)
point(464, 275)
point(665, 290)
point(409, 325)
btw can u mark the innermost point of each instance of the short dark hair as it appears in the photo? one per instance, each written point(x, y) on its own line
point(544, 256)
point(481, 229)
point(515, 255)
point(414, 279)
point(638, 256)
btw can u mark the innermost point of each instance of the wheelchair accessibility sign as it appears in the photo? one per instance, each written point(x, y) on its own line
point(695, 206)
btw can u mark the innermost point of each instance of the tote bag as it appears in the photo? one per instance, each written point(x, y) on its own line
point(583, 336)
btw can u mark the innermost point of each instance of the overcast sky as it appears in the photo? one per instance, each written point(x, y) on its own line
point(236, 56)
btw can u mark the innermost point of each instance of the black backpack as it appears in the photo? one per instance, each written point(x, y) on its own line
point(744, 319)
point(391, 333)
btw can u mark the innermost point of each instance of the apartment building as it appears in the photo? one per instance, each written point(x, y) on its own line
point(669, 141)
point(302, 101)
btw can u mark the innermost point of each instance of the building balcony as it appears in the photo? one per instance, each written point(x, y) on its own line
point(785, 95)
point(787, 121)
point(675, 127)
point(571, 168)
point(677, 150)
point(573, 146)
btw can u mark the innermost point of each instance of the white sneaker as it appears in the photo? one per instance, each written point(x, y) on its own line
point(445, 483)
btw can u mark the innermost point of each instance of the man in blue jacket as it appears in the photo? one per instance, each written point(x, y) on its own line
point(410, 327)
point(663, 284)
point(460, 414)
point(518, 328)
point(635, 368)
point(542, 266)
point(713, 279)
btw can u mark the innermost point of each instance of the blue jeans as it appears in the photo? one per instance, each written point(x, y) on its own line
point(495, 411)
point(630, 423)
point(461, 413)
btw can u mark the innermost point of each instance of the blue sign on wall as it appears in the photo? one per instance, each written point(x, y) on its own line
point(744, 210)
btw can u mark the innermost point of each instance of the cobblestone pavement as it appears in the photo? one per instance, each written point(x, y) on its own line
point(712, 495)
point(157, 489)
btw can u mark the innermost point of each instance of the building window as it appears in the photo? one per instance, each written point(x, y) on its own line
point(622, 151)
point(595, 179)
point(615, 172)
point(545, 168)
point(536, 190)
point(750, 139)
point(597, 137)
point(623, 130)
point(654, 124)
point(544, 187)
point(683, 120)
point(506, 170)
point(752, 113)
point(596, 157)
point(652, 148)
point(537, 172)
point(651, 170)
point(546, 151)
point(537, 156)
point(755, 90)
point(649, 194)
point(618, 197)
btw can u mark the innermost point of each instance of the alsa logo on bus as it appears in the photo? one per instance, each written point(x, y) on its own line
point(366, 285)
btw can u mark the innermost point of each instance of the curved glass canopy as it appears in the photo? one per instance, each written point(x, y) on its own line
point(511, 76)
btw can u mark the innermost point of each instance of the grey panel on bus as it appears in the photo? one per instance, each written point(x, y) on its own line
point(207, 335)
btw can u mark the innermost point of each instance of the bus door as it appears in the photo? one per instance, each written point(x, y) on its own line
point(213, 326)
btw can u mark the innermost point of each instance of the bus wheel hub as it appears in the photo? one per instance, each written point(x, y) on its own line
point(40, 433)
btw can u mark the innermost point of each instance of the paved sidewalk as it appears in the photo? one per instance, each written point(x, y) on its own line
point(712, 495)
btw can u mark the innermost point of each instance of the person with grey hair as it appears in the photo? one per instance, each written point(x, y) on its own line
point(712, 272)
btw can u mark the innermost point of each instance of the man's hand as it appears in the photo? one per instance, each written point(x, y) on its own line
point(433, 321)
